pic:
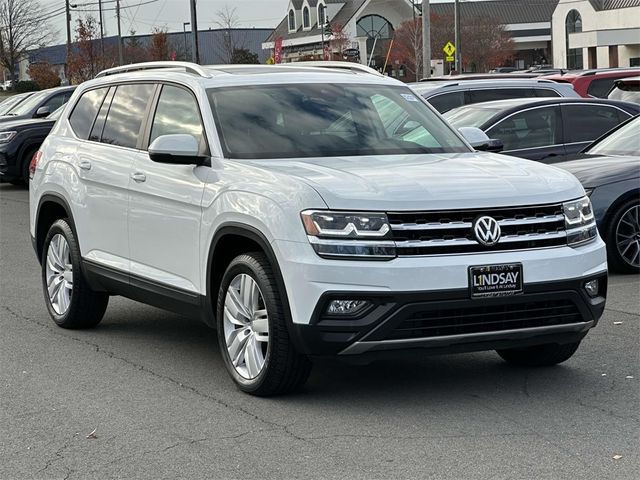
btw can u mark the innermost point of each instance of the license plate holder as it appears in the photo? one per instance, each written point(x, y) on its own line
point(495, 280)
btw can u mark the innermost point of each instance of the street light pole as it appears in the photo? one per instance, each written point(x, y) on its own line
point(426, 39)
point(184, 31)
point(66, 63)
point(456, 14)
point(195, 54)
point(120, 59)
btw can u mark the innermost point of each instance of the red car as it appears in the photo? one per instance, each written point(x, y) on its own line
point(594, 83)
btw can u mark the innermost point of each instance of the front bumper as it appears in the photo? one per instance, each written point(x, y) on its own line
point(433, 293)
point(451, 321)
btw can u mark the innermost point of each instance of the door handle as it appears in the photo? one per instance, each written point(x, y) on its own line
point(85, 165)
point(138, 177)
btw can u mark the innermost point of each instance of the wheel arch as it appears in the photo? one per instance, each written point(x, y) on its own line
point(51, 207)
point(232, 239)
point(612, 209)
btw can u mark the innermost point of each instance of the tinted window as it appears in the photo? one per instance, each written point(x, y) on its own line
point(447, 101)
point(56, 101)
point(85, 111)
point(98, 125)
point(125, 115)
point(600, 87)
point(489, 95)
point(584, 123)
point(623, 141)
point(546, 92)
point(528, 129)
point(326, 120)
point(177, 112)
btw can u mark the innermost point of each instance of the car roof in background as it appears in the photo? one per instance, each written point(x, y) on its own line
point(518, 102)
point(481, 82)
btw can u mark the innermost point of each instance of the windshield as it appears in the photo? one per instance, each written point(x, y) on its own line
point(326, 120)
point(10, 103)
point(28, 105)
point(469, 116)
point(624, 141)
point(628, 91)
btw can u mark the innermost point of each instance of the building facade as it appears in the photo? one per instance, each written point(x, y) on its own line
point(369, 25)
point(596, 34)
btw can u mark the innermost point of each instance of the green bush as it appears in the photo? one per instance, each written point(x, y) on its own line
point(26, 86)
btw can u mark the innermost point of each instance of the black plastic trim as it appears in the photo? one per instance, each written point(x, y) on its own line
point(60, 200)
point(117, 282)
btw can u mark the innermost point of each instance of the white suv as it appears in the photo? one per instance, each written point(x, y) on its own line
point(307, 211)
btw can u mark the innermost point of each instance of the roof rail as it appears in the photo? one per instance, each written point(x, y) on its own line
point(136, 67)
point(354, 67)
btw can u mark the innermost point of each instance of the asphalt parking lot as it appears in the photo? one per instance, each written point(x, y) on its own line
point(153, 388)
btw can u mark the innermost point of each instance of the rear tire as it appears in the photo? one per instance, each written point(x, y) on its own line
point(70, 300)
point(539, 355)
point(252, 332)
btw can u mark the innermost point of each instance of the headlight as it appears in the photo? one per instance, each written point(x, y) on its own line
point(579, 221)
point(344, 234)
point(6, 137)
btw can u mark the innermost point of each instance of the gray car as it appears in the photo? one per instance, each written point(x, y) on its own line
point(446, 95)
point(39, 105)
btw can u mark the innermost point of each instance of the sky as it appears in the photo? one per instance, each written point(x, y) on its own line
point(169, 14)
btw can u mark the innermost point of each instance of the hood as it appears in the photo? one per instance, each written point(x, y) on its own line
point(11, 123)
point(593, 171)
point(418, 182)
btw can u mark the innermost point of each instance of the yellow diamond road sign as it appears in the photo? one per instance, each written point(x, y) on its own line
point(449, 49)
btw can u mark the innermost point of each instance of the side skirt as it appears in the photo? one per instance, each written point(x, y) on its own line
point(116, 282)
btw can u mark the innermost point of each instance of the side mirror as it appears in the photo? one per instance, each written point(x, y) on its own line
point(480, 141)
point(42, 112)
point(177, 149)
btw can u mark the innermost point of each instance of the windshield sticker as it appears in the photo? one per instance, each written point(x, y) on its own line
point(408, 97)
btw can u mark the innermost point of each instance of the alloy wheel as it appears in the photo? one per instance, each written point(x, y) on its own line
point(628, 236)
point(246, 326)
point(59, 274)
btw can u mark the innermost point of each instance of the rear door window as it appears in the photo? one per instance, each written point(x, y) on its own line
point(585, 123)
point(537, 127)
point(126, 113)
point(546, 92)
point(85, 111)
point(447, 101)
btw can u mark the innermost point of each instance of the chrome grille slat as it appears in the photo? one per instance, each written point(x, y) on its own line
point(443, 232)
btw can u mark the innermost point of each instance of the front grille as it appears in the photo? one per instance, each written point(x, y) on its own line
point(448, 232)
point(424, 323)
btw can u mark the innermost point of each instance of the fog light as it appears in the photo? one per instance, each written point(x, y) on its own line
point(346, 307)
point(591, 287)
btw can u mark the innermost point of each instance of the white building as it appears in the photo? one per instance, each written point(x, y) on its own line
point(596, 33)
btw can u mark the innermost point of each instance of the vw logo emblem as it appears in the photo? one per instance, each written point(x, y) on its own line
point(487, 231)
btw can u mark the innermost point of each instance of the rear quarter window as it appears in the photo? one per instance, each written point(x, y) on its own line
point(447, 101)
point(85, 111)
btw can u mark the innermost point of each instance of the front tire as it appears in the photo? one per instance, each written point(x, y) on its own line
point(623, 238)
point(70, 300)
point(252, 333)
point(539, 355)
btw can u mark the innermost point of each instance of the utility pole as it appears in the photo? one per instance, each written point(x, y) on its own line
point(101, 29)
point(426, 39)
point(184, 32)
point(195, 52)
point(458, 56)
point(66, 63)
point(120, 59)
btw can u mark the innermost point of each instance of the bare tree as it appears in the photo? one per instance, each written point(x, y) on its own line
point(23, 26)
point(407, 47)
point(227, 19)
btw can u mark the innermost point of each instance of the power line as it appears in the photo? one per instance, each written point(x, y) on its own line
point(113, 9)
